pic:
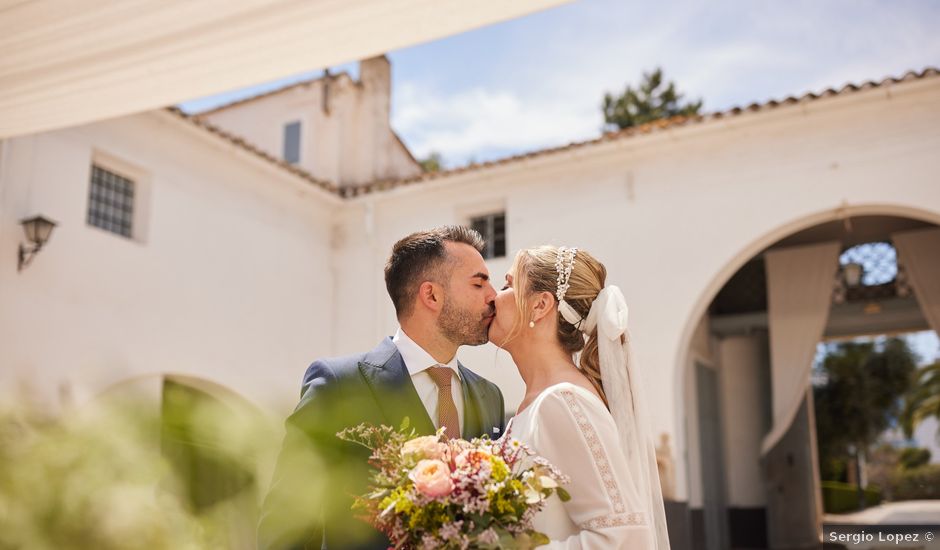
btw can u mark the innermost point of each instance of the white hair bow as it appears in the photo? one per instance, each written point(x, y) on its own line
point(609, 314)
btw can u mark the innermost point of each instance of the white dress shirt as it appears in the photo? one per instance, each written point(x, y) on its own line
point(417, 361)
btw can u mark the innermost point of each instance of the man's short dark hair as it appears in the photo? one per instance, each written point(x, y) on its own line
point(421, 257)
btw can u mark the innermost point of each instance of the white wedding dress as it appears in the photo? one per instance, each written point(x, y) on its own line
point(571, 428)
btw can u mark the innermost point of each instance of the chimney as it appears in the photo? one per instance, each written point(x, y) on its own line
point(375, 74)
point(375, 77)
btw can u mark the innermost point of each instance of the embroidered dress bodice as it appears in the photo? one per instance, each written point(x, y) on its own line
point(571, 428)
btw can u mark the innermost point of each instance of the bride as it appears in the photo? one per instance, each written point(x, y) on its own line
point(586, 419)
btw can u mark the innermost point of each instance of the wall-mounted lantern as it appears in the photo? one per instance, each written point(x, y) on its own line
point(853, 274)
point(37, 229)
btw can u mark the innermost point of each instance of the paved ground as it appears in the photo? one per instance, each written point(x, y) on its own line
point(898, 525)
point(915, 512)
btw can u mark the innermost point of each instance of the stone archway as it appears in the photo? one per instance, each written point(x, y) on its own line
point(719, 530)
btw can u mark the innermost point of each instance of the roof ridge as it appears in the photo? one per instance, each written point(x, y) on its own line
point(262, 95)
point(646, 128)
point(242, 143)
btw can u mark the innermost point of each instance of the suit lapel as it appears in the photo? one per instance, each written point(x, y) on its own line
point(384, 371)
point(474, 405)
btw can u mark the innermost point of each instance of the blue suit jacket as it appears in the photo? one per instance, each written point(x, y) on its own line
point(317, 475)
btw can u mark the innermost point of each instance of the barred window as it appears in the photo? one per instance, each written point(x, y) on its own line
point(292, 142)
point(493, 229)
point(111, 202)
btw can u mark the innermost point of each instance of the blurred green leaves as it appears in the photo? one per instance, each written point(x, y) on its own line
point(125, 474)
point(924, 399)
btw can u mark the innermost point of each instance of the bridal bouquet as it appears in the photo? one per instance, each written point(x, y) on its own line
point(430, 492)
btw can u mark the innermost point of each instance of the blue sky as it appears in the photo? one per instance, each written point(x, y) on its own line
point(537, 81)
point(926, 345)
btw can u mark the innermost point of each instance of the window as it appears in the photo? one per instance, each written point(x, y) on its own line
point(111, 202)
point(292, 142)
point(493, 229)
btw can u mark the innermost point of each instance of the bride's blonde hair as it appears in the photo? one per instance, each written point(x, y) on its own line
point(533, 271)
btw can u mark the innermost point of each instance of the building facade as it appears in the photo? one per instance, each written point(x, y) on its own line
point(249, 246)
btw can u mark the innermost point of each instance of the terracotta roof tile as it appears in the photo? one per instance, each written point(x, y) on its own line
point(648, 128)
point(251, 148)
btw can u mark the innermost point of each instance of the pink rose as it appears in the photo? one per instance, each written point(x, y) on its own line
point(423, 447)
point(432, 477)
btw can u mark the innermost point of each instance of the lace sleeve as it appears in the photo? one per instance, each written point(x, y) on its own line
point(577, 434)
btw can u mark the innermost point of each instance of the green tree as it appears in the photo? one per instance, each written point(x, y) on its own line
point(433, 163)
point(860, 398)
point(652, 100)
point(924, 399)
point(914, 457)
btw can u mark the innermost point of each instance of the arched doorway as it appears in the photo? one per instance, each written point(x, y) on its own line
point(743, 494)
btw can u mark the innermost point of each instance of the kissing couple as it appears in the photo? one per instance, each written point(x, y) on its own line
point(583, 411)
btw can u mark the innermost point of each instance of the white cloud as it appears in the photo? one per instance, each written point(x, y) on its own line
point(728, 53)
point(480, 122)
point(538, 81)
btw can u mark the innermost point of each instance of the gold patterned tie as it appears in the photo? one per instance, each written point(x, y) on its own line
point(446, 409)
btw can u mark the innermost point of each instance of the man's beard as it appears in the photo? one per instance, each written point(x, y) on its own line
point(464, 328)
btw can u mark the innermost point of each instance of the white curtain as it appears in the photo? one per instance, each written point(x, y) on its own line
point(919, 253)
point(799, 295)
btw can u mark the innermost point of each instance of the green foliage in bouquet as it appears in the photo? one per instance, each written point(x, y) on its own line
point(430, 492)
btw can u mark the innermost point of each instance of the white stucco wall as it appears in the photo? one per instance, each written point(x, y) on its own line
point(675, 213)
point(346, 136)
point(228, 282)
point(245, 273)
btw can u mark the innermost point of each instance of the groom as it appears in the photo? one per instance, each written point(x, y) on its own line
point(439, 285)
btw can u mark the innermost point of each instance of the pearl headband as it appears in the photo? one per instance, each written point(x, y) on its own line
point(564, 263)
